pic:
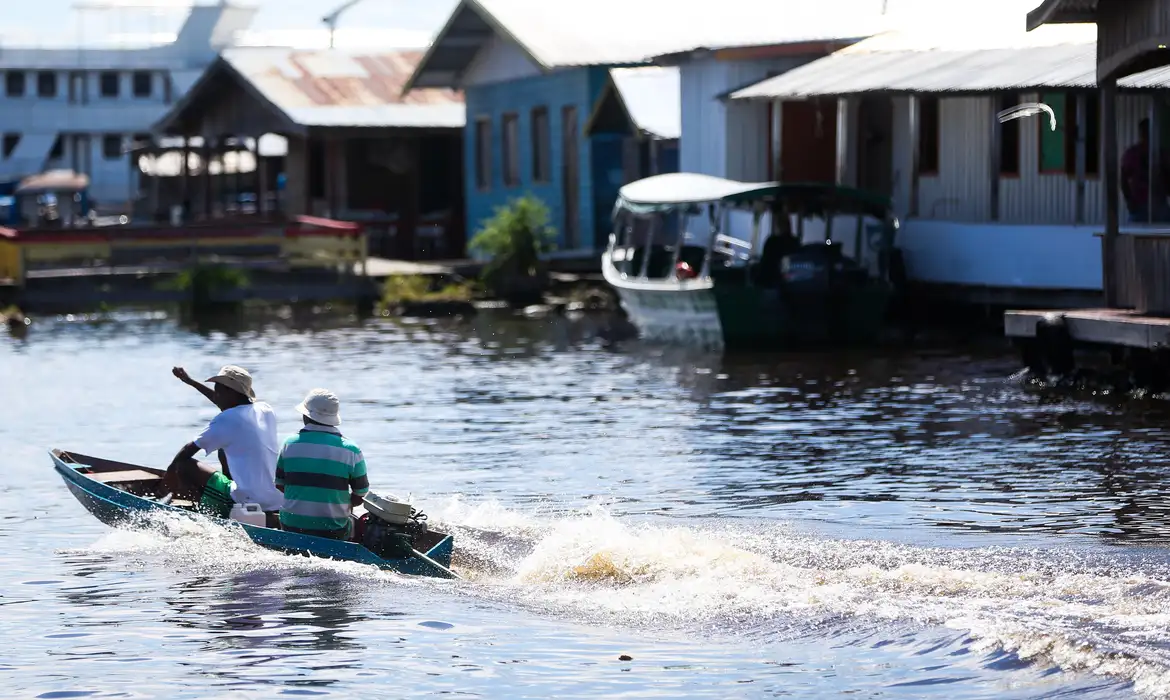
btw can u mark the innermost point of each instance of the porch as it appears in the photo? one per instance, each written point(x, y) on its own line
point(353, 148)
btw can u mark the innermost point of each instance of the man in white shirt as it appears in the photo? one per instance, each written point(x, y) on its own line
point(244, 434)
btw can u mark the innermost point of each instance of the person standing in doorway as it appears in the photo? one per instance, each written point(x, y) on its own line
point(1136, 186)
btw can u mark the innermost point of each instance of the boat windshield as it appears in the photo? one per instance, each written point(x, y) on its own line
point(680, 225)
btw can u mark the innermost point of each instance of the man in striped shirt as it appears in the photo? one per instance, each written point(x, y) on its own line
point(321, 473)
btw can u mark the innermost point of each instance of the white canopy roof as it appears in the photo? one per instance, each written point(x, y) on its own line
point(676, 189)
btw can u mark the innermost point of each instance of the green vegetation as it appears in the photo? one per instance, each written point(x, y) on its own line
point(405, 289)
point(12, 311)
point(513, 240)
point(205, 282)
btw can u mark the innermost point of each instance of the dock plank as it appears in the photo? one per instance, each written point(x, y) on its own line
point(1119, 327)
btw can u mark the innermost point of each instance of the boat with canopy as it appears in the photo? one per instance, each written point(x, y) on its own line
point(708, 261)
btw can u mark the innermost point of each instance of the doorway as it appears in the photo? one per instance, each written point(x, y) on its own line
point(808, 141)
point(875, 145)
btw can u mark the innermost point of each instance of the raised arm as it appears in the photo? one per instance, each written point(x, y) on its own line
point(181, 375)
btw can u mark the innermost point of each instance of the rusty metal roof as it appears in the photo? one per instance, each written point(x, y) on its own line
point(333, 87)
point(966, 60)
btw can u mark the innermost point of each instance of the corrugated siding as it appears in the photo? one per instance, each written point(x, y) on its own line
point(719, 137)
point(962, 190)
point(554, 91)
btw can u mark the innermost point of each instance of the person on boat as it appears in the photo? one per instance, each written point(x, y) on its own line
point(1144, 202)
point(321, 472)
point(244, 432)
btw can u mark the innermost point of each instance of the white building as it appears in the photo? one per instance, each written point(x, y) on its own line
point(996, 212)
point(79, 108)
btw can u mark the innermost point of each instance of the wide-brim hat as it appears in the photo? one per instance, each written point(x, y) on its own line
point(321, 406)
point(235, 378)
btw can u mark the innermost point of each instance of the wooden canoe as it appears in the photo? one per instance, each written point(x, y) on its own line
point(118, 494)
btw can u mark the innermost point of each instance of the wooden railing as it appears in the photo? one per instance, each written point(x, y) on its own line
point(305, 242)
point(1141, 272)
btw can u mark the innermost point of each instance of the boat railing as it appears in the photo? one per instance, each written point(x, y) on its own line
point(733, 247)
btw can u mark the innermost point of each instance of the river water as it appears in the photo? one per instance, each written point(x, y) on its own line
point(889, 524)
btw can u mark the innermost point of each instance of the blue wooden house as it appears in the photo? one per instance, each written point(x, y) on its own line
point(545, 113)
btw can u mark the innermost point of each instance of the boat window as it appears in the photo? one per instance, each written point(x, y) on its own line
point(46, 84)
point(14, 84)
point(143, 84)
point(108, 84)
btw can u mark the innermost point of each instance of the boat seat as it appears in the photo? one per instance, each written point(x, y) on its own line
point(127, 475)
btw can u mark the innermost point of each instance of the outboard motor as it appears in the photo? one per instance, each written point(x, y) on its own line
point(389, 528)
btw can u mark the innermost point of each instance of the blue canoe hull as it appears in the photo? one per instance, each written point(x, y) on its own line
point(117, 507)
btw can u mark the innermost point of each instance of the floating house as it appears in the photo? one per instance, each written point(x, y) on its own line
point(639, 107)
point(535, 72)
point(358, 149)
point(992, 211)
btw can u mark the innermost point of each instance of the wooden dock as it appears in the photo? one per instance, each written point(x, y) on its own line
point(1111, 327)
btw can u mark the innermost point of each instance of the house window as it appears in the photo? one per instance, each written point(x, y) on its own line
point(143, 84)
point(14, 84)
point(58, 149)
point(1068, 120)
point(1054, 156)
point(46, 84)
point(108, 84)
point(112, 147)
point(928, 135)
point(1009, 139)
point(11, 141)
point(541, 145)
point(511, 154)
point(483, 153)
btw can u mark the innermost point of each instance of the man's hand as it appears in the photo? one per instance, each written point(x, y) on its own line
point(181, 375)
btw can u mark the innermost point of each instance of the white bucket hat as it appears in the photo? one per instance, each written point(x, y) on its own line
point(322, 406)
point(235, 378)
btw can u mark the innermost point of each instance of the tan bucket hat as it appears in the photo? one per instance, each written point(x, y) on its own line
point(235, 378)
point(322, 406)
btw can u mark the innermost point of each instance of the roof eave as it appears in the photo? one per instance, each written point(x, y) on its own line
point(611, 90)
point(164, 124)
point(500, 30)
point(1051, 12)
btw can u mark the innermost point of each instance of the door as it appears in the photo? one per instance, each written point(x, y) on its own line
point(875, 150)
point(571, 177)
point(808, 141)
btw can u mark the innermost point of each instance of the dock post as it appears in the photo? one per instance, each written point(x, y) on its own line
point(1112, 208)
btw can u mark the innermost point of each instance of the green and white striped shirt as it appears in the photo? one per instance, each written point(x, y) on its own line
point(318, 468)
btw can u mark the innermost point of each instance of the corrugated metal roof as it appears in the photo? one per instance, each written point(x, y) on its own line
point(653, 99)
point(1056, 56)
point(625, 32)
point(333, 87)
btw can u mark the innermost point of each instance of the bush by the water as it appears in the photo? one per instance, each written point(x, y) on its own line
point(402, 289)
point(513, 241)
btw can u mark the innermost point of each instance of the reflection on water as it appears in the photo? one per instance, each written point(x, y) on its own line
point(879, 523)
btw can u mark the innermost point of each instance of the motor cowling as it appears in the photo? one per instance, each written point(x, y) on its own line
point(388, 531)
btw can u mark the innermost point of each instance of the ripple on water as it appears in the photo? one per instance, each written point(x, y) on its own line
point(825, 524)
